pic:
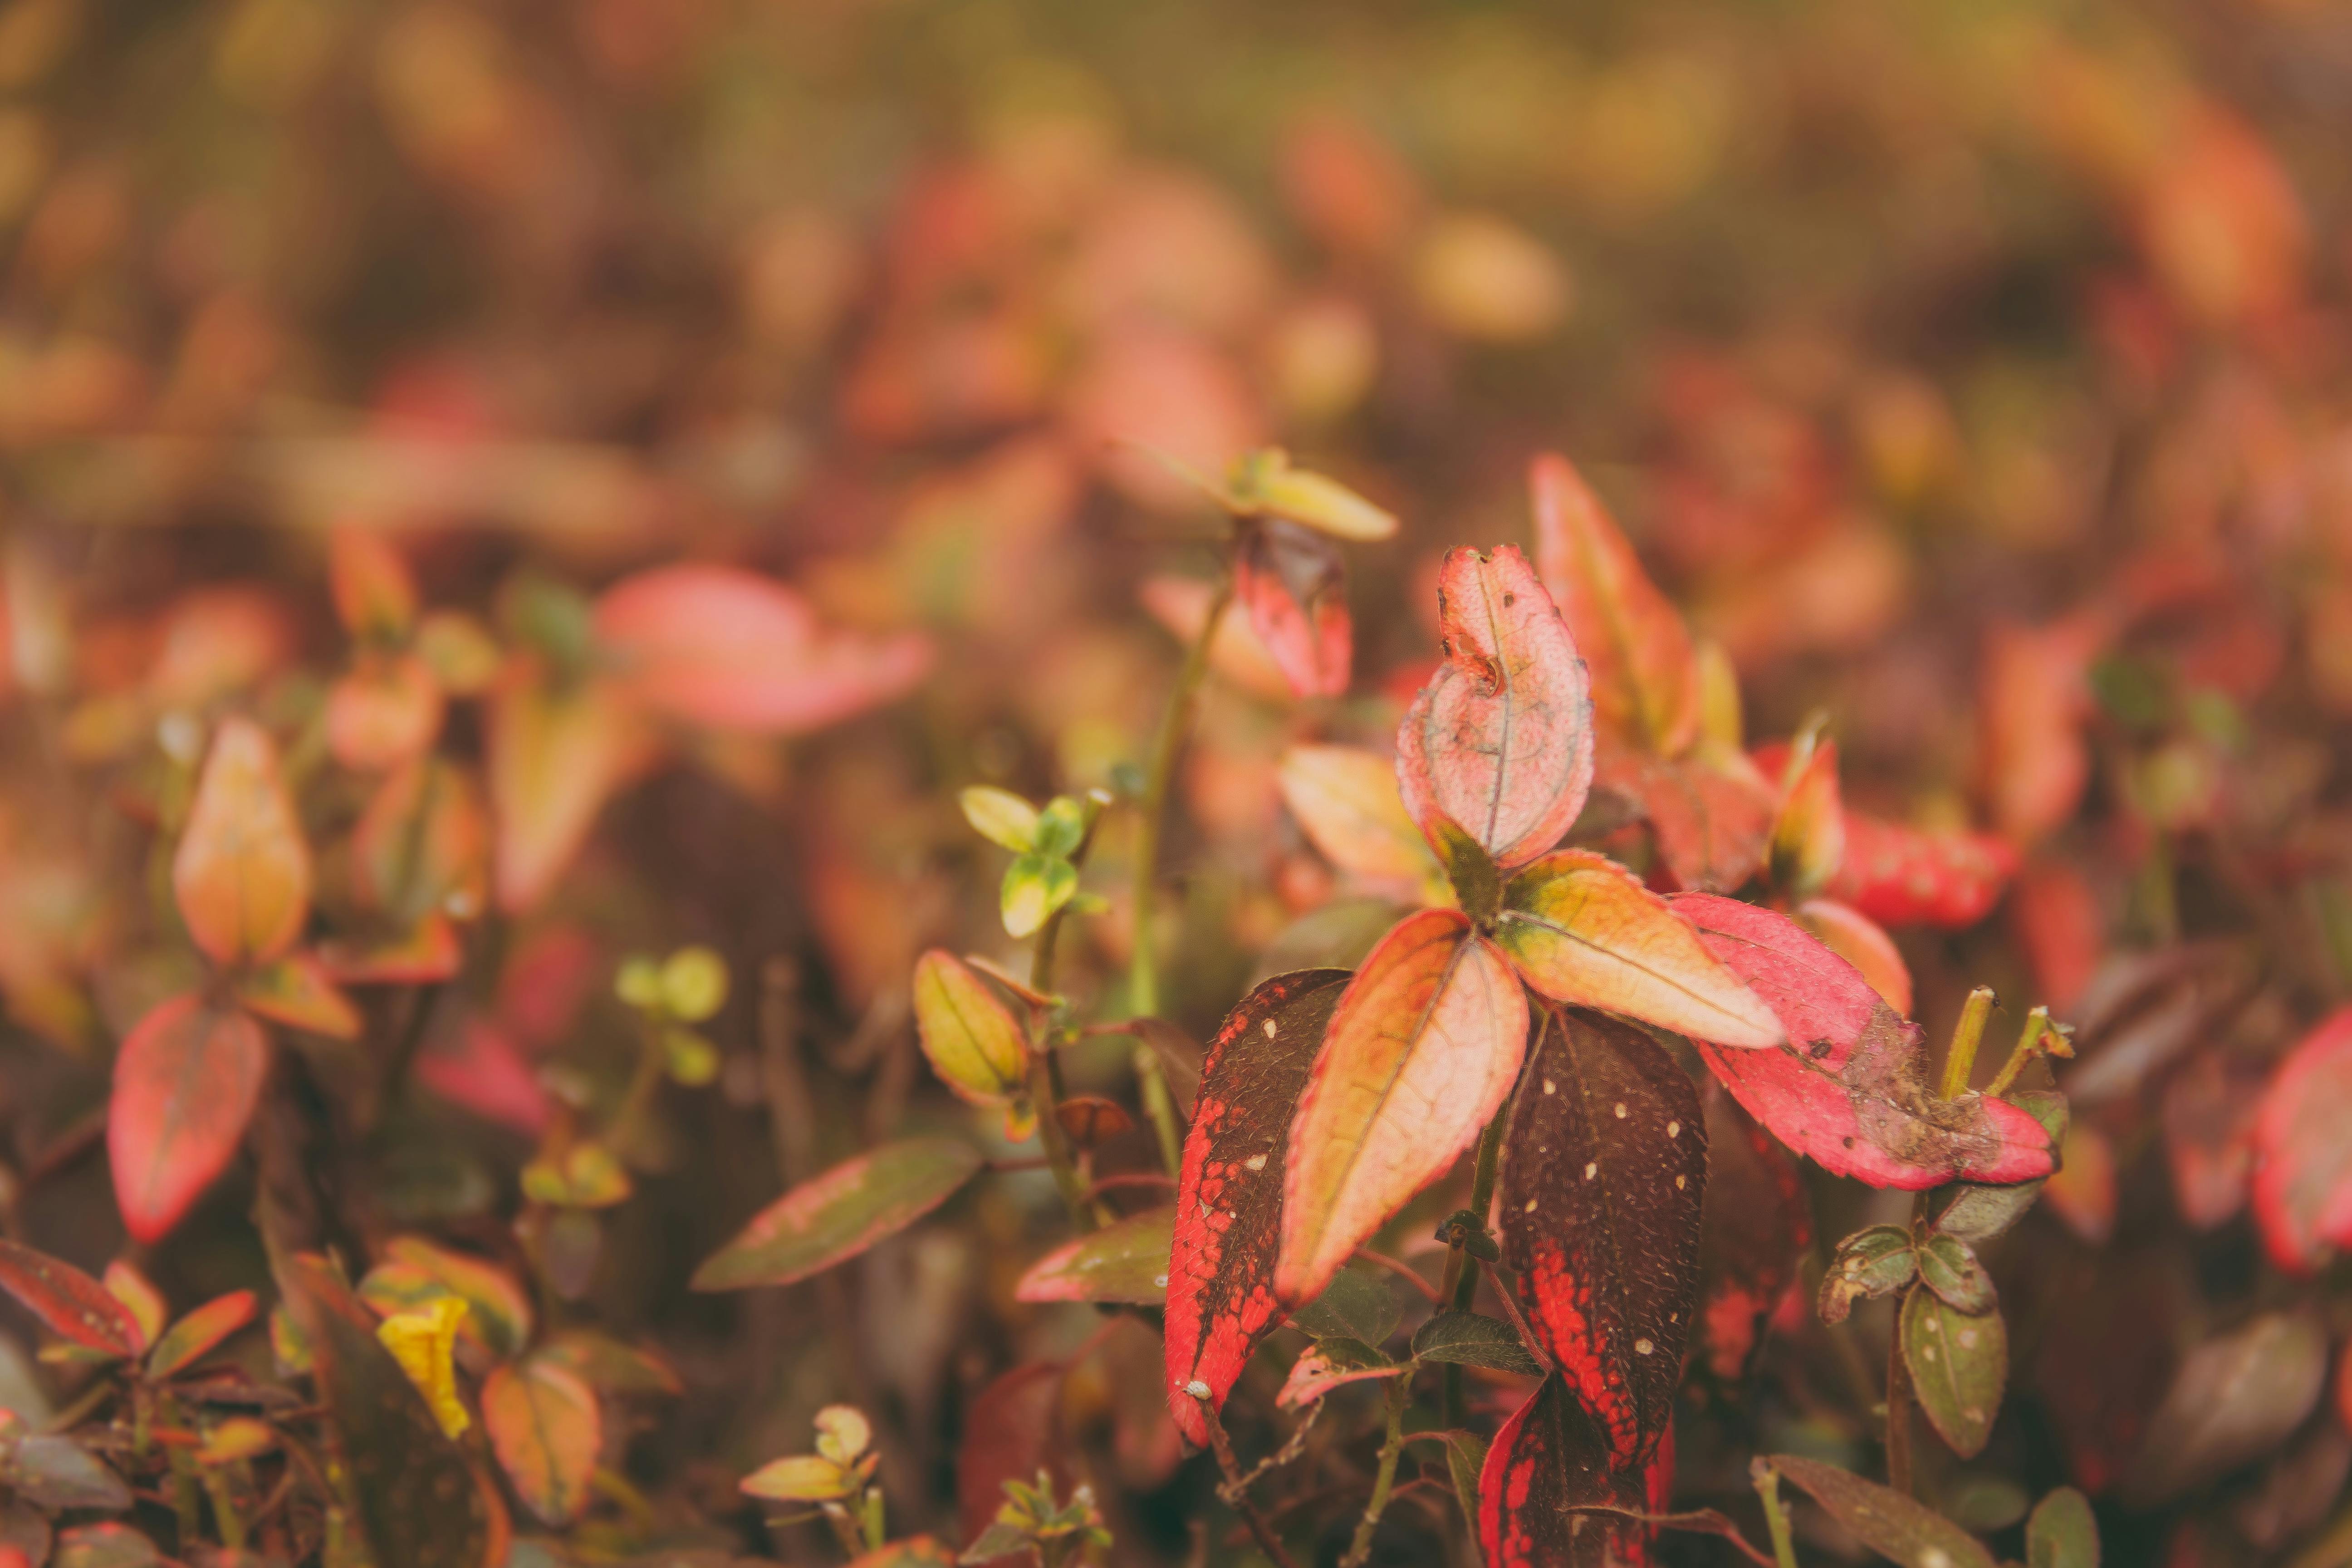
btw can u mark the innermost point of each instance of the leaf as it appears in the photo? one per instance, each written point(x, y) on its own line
point(1477, 885)
point(1229, 1192)
point(2033, 696)
point(1236, 654)
point(1124, 1261)
point(610, 1366)
point(1315, 1375)
point(418, 1503)
point(973, 1042)
point(500, 1310)
point(199, 1333)
point(2062, 1533)
point(1710, 810)
point(296, 991)
point(385, 712)
point(373, 591)
point(1034, 887)
point(1958, 1364)
point(134, 1290)
point(105, 1545)
point(1346, 800)
point(1468, 1339)
point(1581, 930)
point(2209, 1122)
point(1809, 834)
point(1871, 1263)
point(68, 1302)
point(2235, 1398)
point(1756, 1222)
point(546, 1428)
point(1645, 679)
point(1422, 1050)
point(1856, 937)
point(1604, 1171)
point(1947, 1268)
point(1849, 1090)
point(554, 757)
point(2303, 1161)
point(421, 847)
point(1501, 738)
point(56, 1473)
point(1976, 1213)
point(1264, 483)
point(423, 1340)
point(1548, 1458)
point(1901, 876)
point(837, 1215)
point(1883, 1520)
point(1293, 587)
point(242, 872)
point(800, 1478)
point(721, 646)
point(1357, 1305)
point(186, 1084)
point(1011, 1432)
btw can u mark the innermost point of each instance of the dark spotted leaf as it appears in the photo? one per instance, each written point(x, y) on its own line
point(1501, 738)
point(1228, 1224)
point(1976, 1213)
point(1604, 1171)
point(1869, 1264)
point(1757, 1222)
point(1422, 1050)
point(69, 1303)
point(1959, 1364)
point(1124, 1261)
point(2062, 1533)
point(1357, 1305)
point(1293, 585)
point(1883, 1520)
point(1849, 1089)
point(1548, 1460)
point(1470, 1338)
point(835, 1215)
point(1951, 1269)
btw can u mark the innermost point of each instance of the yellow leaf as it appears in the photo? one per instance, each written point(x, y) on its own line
point(424, 1341)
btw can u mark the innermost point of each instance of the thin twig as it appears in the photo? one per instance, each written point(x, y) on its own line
point(1236, 1490)
point(1383, 1480)
point(1510, 1300)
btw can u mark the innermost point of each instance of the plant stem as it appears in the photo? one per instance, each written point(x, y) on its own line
point(1961, 1061)
point(1776, 1513)
point(1143, 971)
point(1045, 1089)
point(1236, 1490)
point(1898, 1404)
point(2029, 1040)
point(1383, 1481)
point(1460, 1286)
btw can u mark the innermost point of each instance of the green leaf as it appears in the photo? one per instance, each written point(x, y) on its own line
point(1465, 1456)
point(971, 1037)
point(1869, 1263)
point(1469, 1338)
point(56, 1472)
point(1001, 817)
point(1976, 1213)
point(1355, 1305)
point(1035, 887)
point(835, 1217)
point(1951, 1269)
point(1477, 884)
point(1883, 1519)
point(1124, 1261)
point(1061, 827)
point(2062, 1533)
point(1958, 1364)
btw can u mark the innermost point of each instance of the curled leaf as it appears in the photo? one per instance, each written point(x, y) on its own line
point(1293, 587)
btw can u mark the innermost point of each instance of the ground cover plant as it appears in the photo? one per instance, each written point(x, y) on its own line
point(900, 785)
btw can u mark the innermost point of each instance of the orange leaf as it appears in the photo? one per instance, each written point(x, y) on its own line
point(721, 646)
point(2032, 756)
point(186, 1084)
point(374, 594)
point(1501, 738)
point(428, 952)
point(1809, 834)
point(1346, 799)
point(1423, 1048)
point(383, 712)
point(1645, 677)
point(422, 844)
point(554, 757)
point(196, 1334)
point(546, 1428)
point(1581, 930)
point(297, 991)
point(242, 873)
point(1710, 810)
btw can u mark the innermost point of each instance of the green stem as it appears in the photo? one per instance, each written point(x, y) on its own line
point(1898, 1404)
point(1459, 1286)
point(1776, 1513)
point(1961, 1061)
point(1383, 1480)
point(1143, 971)
point(2021, 1053)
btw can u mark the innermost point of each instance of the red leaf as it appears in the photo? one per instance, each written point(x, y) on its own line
point(1221, 1298)
point(2058, 922)
point(1900, 876)
point(1860, 941)
point(1291, 583)
point(1849, 1090)
point(383, 713)
point(242, 872)
point(476, 1067)
point(1757, 1224)
point(2032, 755)
point(1501, 738)
point(2209, 1122)
point(297, 991)
point(201, 1330)
point(1645, 682)
point(1547, 1458)
point(1236, 653)
point(1603, 1175)
point(1012, 1432)
point(721, 646)
point(69, 1303)
point(186, 1084)
point(2303, 1160)
point(1809, 834)
point(1711, 812)
point(1422, 1050)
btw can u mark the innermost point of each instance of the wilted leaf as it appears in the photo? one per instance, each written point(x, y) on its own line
point(1228, 1220)
point(1849, 1090)
point(1885, 1520)
point(185, 1083)
point(1293, 587)
point(1645, 680)
point(976, 1045)
point(1315, 1373)
point(69, 1303)
point(2235, 1398)
point(1423, 1048)
point(1604, 1172)
point(1346, 800)
point(242, 872)
point(836, 1215)
point(296, 991)
point(1125, 1262)
point(423, 1340)
point(1501, 738)
point(2303, 1159)
point(200, 1331)
point(1469, 1339)
point(1901, 876)
point(2062, 1533)
point(1755, 1221)
point(1870, 1263)
point(1548, 1458)
point(723, 646)
point(1581, 930)
point(1976, 1213)
point(546, 1428)
point(1959, 1364)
